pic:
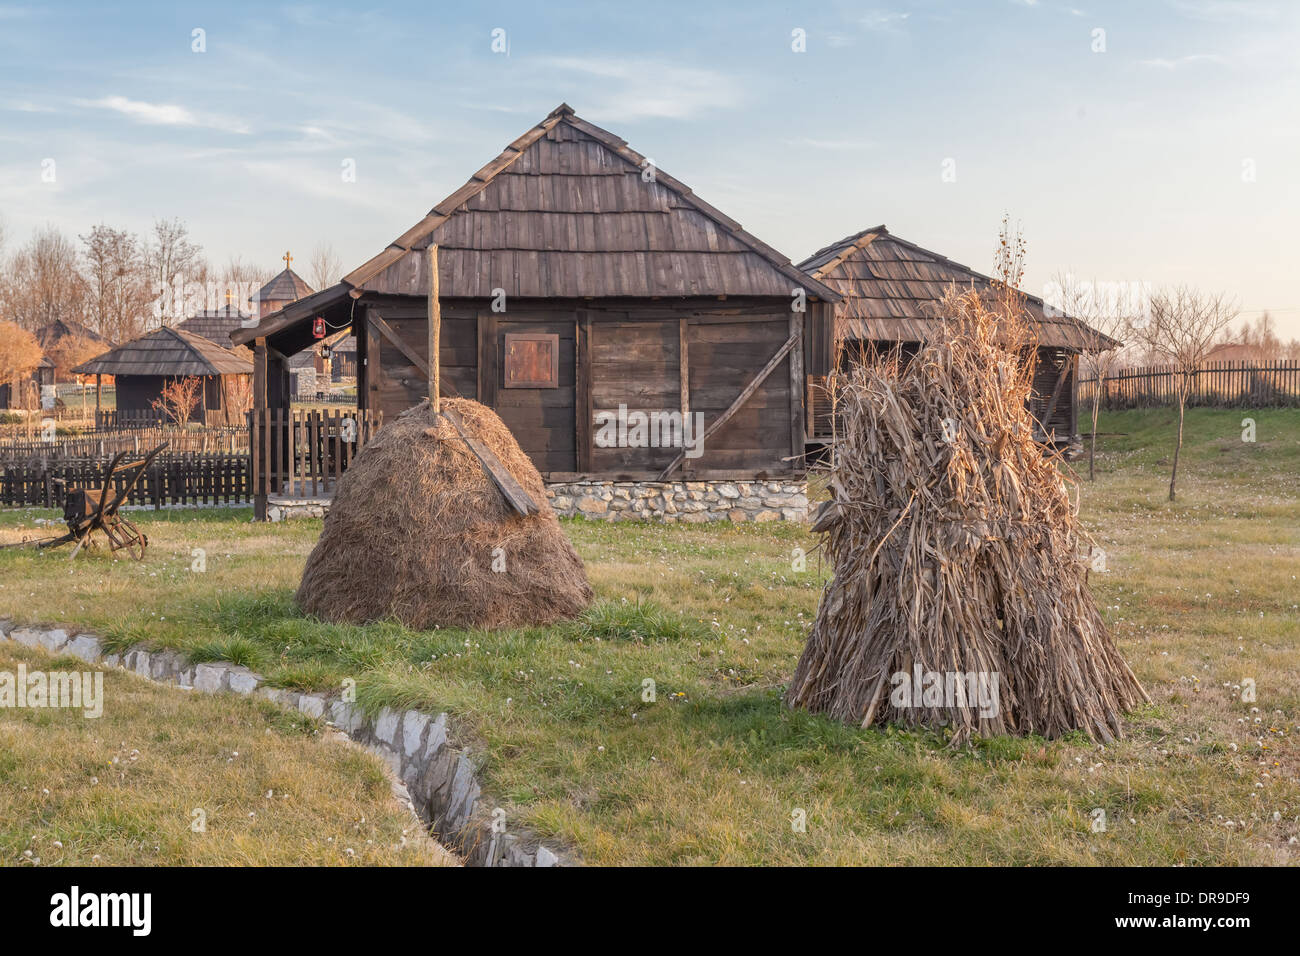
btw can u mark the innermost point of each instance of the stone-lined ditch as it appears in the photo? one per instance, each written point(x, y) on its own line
point(439, 775)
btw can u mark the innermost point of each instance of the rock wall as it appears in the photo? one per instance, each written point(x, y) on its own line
point(688, 502)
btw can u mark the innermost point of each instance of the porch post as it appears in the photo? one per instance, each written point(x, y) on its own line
point(257, 428)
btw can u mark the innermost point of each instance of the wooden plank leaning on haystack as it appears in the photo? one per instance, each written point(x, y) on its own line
point(956, 549)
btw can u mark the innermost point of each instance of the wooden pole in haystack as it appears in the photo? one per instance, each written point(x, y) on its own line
point(435, 331)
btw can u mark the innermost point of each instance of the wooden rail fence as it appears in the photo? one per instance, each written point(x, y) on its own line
point(1223, 384)
point(185, 478)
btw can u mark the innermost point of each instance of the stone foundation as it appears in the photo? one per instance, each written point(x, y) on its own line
point(286, 509)
point(689, 502)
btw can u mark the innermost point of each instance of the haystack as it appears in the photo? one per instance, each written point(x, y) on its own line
point(959, 598)
point(419, 532)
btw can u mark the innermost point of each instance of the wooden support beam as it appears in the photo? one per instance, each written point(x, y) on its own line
point(684, 376)
point(582, 411)
point(258, 429)
point(435, 331)
point(741, 399)
point(377, 322)
point(487, 358)
point(797, 449)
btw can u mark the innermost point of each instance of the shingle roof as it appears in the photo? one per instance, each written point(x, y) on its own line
point(167, 352)
point(215, 325)
point(288, 286)
point(892, 288)
point(568, 210)
point(48, 335)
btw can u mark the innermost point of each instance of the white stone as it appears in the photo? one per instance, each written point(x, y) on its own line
point(27, 636)
point(728, 490)
point(413, 725)
point(437, 736)
point(386, 726)
point(209, 678)
point(546, 858)
point(141, 663)
point(243, 681)
point(347, 716)
point(313, 705)
point(85, 646)
point(53, 639)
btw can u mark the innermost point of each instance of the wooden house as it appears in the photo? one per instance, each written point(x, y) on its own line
point(142, 367)
point(577, 281)
point(891, 291)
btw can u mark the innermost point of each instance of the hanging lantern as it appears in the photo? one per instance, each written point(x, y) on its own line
point(318, 327)
point(325, 351)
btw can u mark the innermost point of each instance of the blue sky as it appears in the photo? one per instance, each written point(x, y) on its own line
point(1123, 165)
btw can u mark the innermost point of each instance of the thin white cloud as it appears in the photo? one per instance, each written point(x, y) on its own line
point(640, 89)
point(829, 144)
point(26, 106)
point(165, 114)
point(1231, 10)
point(883, 20)
point(1167, 64)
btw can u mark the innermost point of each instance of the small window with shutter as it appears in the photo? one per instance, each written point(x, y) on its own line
point(532, 360)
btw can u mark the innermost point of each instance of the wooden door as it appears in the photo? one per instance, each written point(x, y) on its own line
point(533, 385)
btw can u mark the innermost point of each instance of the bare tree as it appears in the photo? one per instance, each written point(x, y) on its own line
point(119, 293)
point(241, 281)
point(326, 266)
point(1103, 310)
point(1183, 327)
point(45, 283)
point(173, 263)
point(179, 398)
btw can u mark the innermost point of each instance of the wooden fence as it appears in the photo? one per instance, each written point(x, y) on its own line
point(302, 453)
point(1223, 384)
point(208, 440)
point(186, 478)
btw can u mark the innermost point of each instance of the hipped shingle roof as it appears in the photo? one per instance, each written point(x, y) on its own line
point(892, 289)
point(167, 351)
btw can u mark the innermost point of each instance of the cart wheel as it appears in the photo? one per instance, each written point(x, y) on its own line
point(132, 539)
point(136, 545)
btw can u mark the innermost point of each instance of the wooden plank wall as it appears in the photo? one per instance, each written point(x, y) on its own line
point(634, 359)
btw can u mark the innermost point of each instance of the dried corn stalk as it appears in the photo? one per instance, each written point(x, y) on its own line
point(955, 546)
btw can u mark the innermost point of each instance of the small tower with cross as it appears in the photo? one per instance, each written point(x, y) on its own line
point(286, 287)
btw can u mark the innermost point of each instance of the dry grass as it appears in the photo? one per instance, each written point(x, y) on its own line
point(122, 788)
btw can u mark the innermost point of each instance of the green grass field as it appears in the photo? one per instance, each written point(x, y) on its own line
point(1201, 593)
